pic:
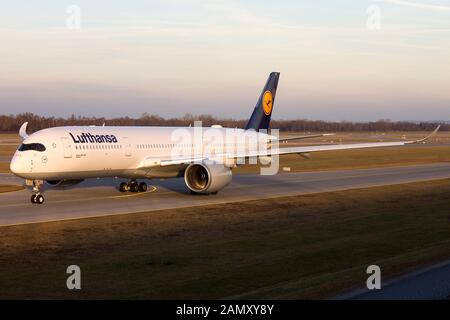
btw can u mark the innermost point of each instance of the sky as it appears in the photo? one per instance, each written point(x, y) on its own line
point(339, 59)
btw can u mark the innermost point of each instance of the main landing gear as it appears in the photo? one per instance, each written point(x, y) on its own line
point(133, 186)
point(37, 197)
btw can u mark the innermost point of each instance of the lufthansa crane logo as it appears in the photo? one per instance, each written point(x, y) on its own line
point(267, 102)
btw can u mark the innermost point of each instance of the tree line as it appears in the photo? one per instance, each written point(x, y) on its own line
point(12, 123)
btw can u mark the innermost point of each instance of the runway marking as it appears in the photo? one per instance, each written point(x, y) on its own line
point(154, 189)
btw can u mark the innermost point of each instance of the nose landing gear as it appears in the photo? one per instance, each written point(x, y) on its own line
point(133, 186)
point(37, 197)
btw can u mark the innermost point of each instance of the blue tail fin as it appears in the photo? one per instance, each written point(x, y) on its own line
point(260, 118)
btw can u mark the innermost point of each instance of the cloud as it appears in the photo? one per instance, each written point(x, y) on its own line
point(418, 5)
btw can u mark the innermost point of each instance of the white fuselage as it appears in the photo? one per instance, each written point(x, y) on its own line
point(128, 152)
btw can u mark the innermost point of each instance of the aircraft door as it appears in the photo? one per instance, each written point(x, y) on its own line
point(67, 147)
point(127, 147)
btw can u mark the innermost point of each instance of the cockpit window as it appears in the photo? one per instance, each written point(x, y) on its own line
point(32, 146)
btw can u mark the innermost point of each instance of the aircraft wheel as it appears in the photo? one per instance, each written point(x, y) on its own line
point(33, 198)
point(123, 187)
point(134, 187)
point(142, 187)
point(40, 199)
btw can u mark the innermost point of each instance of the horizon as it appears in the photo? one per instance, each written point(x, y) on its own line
point(190, 116)
point(339, 60)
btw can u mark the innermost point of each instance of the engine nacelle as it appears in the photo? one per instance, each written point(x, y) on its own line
point(64, 183)
point(207, 178)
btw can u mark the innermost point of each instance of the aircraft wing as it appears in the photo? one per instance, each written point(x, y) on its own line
point(309, 149)
point(281, 139)
point(180, 161)
point(292, 150)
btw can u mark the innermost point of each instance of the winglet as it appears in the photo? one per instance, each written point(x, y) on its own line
point(23, 131)
point(428, 136)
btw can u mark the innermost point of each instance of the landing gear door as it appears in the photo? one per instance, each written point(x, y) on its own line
point(127, 147)
point(67, 147)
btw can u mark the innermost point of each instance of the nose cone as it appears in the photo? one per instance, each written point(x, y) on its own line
point(16, 167)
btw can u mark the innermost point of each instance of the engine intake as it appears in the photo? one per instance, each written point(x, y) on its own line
point(206, 178)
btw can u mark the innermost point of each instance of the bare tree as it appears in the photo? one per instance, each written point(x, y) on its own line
point(12, 123)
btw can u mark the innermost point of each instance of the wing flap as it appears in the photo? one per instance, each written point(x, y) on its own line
point(283, 139)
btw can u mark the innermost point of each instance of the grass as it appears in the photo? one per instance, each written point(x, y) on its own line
point(4, 167)
point(7, 150)
point(358, 159)
point(8, 188)
point(12, 135)
point(310, 246)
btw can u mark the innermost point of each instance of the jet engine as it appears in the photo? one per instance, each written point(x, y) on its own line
point(64, 183)
point(207, 178)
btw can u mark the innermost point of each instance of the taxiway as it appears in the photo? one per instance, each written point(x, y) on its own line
point(101, 197)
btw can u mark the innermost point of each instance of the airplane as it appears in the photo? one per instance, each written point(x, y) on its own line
point(205, 157)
